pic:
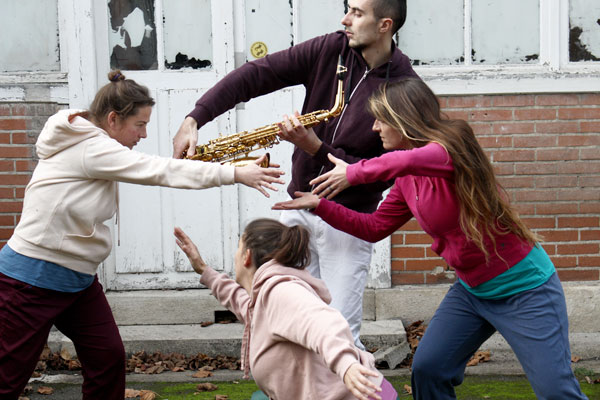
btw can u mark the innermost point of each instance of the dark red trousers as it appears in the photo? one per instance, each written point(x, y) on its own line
point(27, 314)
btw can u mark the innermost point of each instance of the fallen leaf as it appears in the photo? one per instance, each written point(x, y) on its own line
point(45, 390)
point(588, 380)
point(221, 397)
point(131, 393)
point(408, 389)
point(479, 357)
point(147, 395)
point(575, 359)
point(23, 398)
point(202, 374)
point(204, 324)
point(206, 387)
point(64, 354)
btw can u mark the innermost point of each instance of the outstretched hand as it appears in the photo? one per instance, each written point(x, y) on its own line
point(332, 182)
point(359, 385)
point(254, 176)
point(303, 201)
point(191, 251)
point(186, 139)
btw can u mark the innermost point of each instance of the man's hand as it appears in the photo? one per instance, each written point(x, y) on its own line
point(254, 176)
point(191, 251)
point(186, 138)
point(293, 131)
point(359, 385)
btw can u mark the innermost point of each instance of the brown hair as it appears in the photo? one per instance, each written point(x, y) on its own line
point(269, 239)
point(394, 9)
point(123, 96)
point(413, 109)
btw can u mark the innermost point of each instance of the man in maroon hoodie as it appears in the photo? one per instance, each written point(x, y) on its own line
point(369, 53)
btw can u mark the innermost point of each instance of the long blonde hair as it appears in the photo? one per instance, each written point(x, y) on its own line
point(410, 107)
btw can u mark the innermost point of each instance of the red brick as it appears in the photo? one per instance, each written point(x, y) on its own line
point(578, 248)
point(579, 140)
point(524, 209)
point(491, 115)
point(6, 233)
point(586, 261)
point(579, 113)
point(535, 141)
point(397, 238)
point(538, 168)
point(408, 252)
point(589, 154)
point(20, 138)
point(579, 167)
point(501, 169)
point(424, 264)
point(592, 207)
point(535, 195)
point(15, 152)
point(535, 114)
point(19, 110)
point(559, 235)
point(564, 262)
point(593, 234)
point(417, 238)
point(514, 101)
point(549, 208)
point(578, 275)
point(589, 99)
point(397, 265)
point(457, 114)
point(540, 222)
point(13, 124)
point(408, 279)
point(589, 126)
point(578, 195)
point(516, 181)
point(4, 110)
point(411, 225)
point(25, 165)
point(7, 193)
point(7, 220)
point(495, 141)
point(4, 138)
point(11, 206)
point(7, 166)
point(13, 179)
point(549, 248)
point(558, 181)
point(557, 127)
point(444, 277)
point(469, 101)
point(20, 192)
point(513, 127)
point(559, 154)
point(556, 100)
point(513, 155)
point(578, 222)
point(481, 128)
point(443, 101)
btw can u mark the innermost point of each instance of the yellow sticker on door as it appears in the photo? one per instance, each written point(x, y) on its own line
point(258, 49)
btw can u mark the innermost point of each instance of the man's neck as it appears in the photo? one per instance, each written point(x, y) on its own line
point(378, 54)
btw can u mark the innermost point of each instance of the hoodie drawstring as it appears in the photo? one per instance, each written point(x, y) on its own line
point(117, 217)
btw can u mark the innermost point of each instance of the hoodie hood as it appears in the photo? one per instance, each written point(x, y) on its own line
point(63, 130)
point(272, 273)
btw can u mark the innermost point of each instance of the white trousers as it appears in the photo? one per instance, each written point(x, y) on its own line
point(340, 260)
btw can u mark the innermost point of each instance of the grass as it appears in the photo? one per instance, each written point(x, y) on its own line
point(473, 388)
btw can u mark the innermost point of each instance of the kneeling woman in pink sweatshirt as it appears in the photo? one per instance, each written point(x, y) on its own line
point(295, 344)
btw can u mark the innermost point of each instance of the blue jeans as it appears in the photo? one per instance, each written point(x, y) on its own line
point(534, 323)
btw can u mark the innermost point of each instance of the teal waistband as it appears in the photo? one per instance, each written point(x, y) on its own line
point(532, 271)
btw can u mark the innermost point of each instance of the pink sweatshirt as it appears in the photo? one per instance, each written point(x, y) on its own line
point(423, 188)
point(298, 346)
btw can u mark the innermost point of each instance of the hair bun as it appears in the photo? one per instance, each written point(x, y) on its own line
point(115, 76)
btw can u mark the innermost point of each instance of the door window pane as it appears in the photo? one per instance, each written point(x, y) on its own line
point(505, 31)
point(584, 34)
point(132, 34)
point(29, 36)
point(433, 32)
point(187, 34)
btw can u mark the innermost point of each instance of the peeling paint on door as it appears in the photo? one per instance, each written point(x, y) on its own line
point(584, 32)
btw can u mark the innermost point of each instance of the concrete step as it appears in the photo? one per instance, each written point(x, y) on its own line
point(217, 339)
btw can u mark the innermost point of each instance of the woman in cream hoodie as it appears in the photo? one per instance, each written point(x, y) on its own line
point(297, 346)
point(48, 267)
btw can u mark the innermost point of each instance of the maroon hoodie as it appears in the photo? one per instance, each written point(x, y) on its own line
point(313, 64)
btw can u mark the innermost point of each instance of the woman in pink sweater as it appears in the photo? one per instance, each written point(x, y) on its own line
point(296, 345)
point(506, 281)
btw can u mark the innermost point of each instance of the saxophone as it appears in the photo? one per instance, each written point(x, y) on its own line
point(235, 149)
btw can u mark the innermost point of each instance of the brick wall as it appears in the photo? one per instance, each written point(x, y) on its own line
point(546, 152)
point(20, 123)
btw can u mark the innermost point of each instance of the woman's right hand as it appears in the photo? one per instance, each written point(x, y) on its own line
point(332, 182)
point(191, 251)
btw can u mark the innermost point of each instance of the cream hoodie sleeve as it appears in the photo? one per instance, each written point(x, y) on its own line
point(105, 158)
point(296, 314)
point(229, 293)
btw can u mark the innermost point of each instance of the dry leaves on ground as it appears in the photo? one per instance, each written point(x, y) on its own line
point(156, 363)
point(221, 397)
point(206, 387)
point(142, 394)
point(575, 359)
point(479, 357)
point(592, 381)
point(45, 390)
point(408, 389)
point(204, 372)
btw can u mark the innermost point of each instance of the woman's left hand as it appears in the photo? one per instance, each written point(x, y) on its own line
point(332, 182)
point(191, 251)
point(358, 384)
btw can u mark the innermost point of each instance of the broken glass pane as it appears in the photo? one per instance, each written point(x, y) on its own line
point(505, 31)
point(29, 36)
point(132, 34)
point(584, 34)
point(433, 32)
point(187, 34)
